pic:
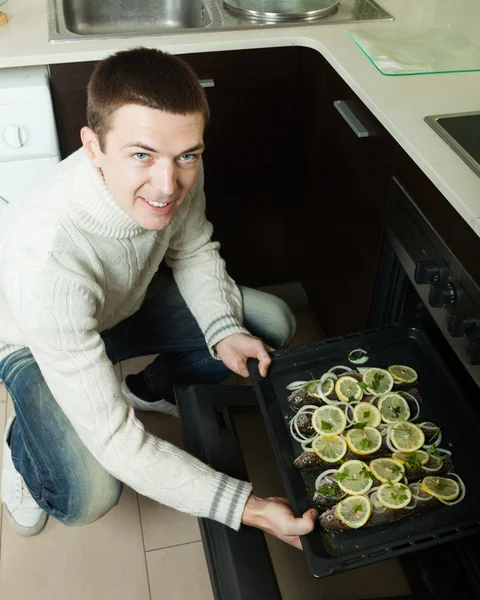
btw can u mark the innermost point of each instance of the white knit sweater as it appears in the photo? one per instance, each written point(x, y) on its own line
point(74, 264)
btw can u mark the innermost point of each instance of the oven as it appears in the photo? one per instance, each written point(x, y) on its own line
point(428, 281)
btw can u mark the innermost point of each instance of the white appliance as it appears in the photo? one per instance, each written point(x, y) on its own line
point(28, 139)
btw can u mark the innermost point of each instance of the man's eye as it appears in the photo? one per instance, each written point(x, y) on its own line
point(188, 158)
point(141, 156)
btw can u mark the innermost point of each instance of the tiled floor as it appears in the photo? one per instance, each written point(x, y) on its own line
point(139, 551)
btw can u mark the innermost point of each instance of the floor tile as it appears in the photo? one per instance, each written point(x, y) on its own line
point(104, 560)
point(164, 526)
point(179, 573)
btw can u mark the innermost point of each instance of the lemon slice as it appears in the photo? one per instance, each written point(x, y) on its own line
point(441, 487)
point(378, 381)
point(330, 448)
point(396, 495)
point(354, 511)
point(386, 469)
point(353, 477)
point(327, 388)
point(329, 420)
point(393, 407)
point(364, 412)
point(364, 441)
point(407, 436)
point(348, 389)
point(420, 457)
point(403, 373)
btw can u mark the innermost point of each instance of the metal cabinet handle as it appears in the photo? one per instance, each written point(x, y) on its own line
point(207, 83)
point(364, 126)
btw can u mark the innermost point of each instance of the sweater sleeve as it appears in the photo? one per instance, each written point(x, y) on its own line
point(210, 293)
point(58, 321)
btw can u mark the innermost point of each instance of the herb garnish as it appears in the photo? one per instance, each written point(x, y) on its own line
point(357, 508)
point(362, 385)
point(366, 473)
point(366, 444)
point(360, 425)
point(377, 378)
point(366, 414)
point(326, 490)
point(412, 462)
point(341, 475)
point(396, 470)
point(396, 411)
point(326, 426)
point(441, 485)
point(434, 453)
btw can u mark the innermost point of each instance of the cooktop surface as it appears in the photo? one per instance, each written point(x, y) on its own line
point(462, 133)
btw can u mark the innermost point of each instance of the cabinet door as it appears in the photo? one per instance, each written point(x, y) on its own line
point(351, 177)
point(254, 195)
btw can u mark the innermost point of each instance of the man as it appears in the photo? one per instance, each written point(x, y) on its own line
point(80, 290)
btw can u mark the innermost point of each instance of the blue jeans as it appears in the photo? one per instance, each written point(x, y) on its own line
point(61, 474)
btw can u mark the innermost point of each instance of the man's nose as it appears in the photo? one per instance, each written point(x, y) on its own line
point(164, 179)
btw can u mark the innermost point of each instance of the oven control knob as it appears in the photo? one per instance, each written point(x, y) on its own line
point(15, 136)
point(431, 271)
point(473, 351)
point(463, 323)
point(442, 294)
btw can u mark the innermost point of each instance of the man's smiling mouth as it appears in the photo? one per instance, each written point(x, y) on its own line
point(156, 204)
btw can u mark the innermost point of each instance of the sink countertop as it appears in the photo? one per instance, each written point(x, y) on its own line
point(399, 103)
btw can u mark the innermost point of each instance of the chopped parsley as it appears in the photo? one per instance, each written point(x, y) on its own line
point(366, 444)
point(436, 455)
point(360, 425)
point(327, 490)
point(412, 462)
point(377, 378)
point(341, 475)
point(326, 426)
point(366, 414)
point(367, 473)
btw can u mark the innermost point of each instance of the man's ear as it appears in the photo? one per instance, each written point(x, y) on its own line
point(91, 145)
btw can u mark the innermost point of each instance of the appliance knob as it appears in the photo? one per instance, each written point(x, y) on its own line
point(431, 271)
point(15, 136)
point(442, 294)
point(473, 351)
point(463, 323)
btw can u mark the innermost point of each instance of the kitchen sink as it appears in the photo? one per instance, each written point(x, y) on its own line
point(116, 17)
point(76, 20)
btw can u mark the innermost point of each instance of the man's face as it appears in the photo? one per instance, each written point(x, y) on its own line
point(150, 161)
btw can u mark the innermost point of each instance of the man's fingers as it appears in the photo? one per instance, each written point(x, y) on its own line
point(242, 367)
point(264, 361)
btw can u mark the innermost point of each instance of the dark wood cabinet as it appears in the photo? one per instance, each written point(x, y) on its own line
point(293, 193)
point(350, 180)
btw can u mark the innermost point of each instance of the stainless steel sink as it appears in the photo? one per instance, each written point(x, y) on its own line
point(117, 17)
point(77, 20)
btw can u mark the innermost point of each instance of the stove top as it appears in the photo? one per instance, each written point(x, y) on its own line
point(462, 133)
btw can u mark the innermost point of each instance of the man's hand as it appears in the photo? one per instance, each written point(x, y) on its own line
point(235, 349)
point(274, 516)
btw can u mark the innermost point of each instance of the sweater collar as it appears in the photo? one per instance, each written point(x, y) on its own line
point(93, 205)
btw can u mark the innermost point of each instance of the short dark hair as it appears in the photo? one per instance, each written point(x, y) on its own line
point(146, 77)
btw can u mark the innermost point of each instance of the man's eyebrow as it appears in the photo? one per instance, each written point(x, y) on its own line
point(148, 148)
